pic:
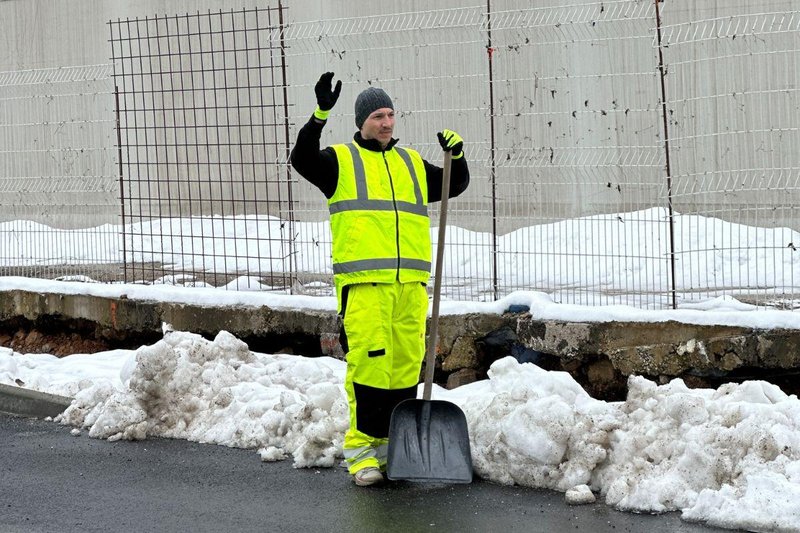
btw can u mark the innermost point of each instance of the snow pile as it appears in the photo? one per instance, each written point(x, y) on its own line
point(46, 372)
point(221, 393)
point(9, 369)
point(535, 428)
point(729, 456)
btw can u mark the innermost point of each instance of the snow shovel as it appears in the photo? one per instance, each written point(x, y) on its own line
point(428, 439)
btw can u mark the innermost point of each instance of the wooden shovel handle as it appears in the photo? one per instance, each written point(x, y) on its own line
point(430, 360)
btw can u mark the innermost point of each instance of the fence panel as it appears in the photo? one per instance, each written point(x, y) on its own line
point(618, 154)
point(58, 182)
point(732, 96)
point(433, 64)
point(203, 134)
point(579, 153)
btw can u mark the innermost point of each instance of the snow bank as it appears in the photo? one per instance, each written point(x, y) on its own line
point(221, 393)
point(535, 428)
point(729, 457)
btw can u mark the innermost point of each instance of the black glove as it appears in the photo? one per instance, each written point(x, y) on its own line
point(451, 142)
point(326, 98)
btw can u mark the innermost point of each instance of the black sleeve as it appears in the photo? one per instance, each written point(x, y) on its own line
point(459, 179)
point(320, 167)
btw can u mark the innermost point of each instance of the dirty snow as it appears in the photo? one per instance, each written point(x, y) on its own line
point(729, 457)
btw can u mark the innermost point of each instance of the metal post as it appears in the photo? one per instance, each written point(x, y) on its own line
point(492, 164)
point(662, 72)
point(121, 189)
point(292, 253)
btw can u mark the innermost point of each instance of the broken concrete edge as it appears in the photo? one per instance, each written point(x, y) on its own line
point(601, 352)
point(113, 315)
point(664, 348)
point(19, 401)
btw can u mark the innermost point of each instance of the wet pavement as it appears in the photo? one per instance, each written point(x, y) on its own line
point(52, 481)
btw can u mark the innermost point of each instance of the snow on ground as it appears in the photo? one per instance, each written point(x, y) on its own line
point(729, 457)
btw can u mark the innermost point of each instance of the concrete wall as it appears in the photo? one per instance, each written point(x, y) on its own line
point(576, 99)
point(733, 93)
point(600, 355)
point(59, 161)
point(560, 106)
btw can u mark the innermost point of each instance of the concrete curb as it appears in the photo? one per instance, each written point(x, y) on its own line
point(19, 401)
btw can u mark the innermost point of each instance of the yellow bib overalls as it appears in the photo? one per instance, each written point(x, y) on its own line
point(381, 265)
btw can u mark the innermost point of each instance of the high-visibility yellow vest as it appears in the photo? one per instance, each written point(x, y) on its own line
point(379, 217)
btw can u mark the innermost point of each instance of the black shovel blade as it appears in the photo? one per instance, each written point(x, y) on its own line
point(429, 441)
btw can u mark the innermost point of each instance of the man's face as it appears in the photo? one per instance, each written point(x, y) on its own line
point(379, 125)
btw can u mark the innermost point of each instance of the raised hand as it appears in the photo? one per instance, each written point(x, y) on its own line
point(326, 94)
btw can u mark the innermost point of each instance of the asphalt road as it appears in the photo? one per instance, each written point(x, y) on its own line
point(51, 481)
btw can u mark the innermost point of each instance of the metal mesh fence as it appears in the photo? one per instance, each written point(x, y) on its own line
point(433, 64)
point(630, 152)
point(578, 154)
point(560, 110)
point(732, 97)
point(204, 139)
point(57, 177)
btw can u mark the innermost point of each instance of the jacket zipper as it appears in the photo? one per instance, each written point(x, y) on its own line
point(396, 214)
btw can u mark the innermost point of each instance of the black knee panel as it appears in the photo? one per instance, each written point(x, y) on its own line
point(374, 407)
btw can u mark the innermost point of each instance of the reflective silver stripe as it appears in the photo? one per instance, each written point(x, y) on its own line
point(364, 264)
point(415, 264)
point(377, 205)
point(380, 264)
point(358, 168)
point(382, 452)
point(407, 160)
point(361, 205)
point(414, 209)
point(354, 455)
point(361, 176)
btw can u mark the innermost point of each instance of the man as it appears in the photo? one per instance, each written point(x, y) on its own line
point(378, 195)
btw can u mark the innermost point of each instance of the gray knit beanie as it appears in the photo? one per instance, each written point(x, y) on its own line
point(368, 101)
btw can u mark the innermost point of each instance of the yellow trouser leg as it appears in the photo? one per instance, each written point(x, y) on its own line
point(384, 337)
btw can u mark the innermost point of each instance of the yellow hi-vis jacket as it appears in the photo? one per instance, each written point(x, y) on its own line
point(379, 217)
